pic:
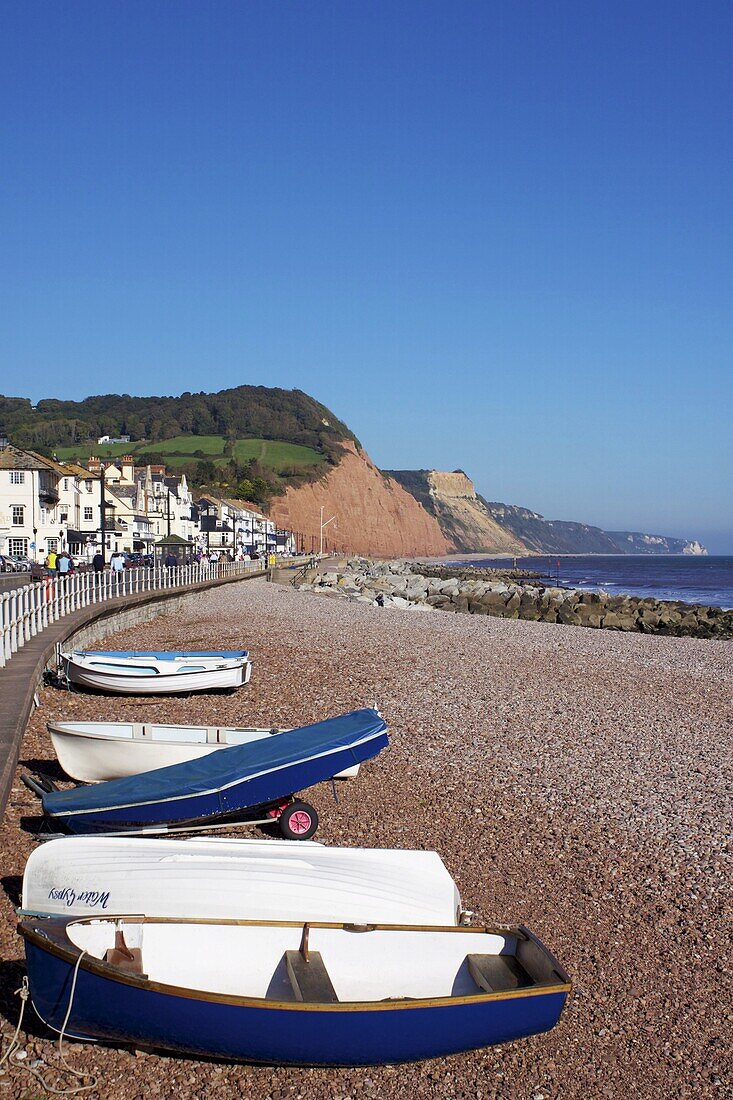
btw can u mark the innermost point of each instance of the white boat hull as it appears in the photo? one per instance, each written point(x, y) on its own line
point(93, 752)
point(238, 879)
point(218, 679)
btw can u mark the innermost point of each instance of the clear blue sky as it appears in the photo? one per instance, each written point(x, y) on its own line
point(495, 236)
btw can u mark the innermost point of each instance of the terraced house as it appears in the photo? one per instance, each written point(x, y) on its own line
point(234, 527)
point(47, 505)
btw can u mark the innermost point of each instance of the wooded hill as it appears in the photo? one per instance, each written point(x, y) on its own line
point(258, 412)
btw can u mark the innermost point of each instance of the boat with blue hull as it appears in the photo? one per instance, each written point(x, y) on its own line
point(257, 780)
point(286, 993)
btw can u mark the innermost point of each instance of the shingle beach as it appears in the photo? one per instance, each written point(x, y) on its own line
point(577, 781)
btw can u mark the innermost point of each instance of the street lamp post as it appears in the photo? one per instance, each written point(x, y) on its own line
point(323, 527)
point(102, 513)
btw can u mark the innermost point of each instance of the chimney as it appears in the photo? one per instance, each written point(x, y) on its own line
point(127, 465)
point(94, 465)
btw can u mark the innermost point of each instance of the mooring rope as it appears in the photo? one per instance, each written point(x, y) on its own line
point(24, 994)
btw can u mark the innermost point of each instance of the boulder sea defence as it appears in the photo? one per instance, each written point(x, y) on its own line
point(513, 594)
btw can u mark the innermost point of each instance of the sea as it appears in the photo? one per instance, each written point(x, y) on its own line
point(703, 580)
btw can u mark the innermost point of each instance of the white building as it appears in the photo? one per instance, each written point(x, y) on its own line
point(80, 502)
point(232, 525)
point(143, 504)
point(168, 501)
point(46, 505)
point(30, 523)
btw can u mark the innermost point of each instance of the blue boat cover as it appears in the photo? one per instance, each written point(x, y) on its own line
point(316, 752)
point(164, 654)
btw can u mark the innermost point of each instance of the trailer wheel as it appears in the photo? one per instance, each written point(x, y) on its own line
point(298, 822)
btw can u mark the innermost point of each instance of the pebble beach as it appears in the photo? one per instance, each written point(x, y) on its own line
point(576, 781)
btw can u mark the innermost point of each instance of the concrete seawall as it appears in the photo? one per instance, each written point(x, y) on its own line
point(20, 679)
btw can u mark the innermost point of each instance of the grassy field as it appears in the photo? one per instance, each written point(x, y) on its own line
point(271, 453)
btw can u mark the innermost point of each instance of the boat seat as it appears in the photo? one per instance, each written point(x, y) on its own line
point(497, 973)
point(309, 978)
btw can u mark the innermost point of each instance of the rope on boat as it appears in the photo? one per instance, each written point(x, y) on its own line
point(24, 993)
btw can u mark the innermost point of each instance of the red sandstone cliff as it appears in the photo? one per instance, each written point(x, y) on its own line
point(374, 514)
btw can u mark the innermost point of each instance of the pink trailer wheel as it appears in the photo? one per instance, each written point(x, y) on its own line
point(298, 822)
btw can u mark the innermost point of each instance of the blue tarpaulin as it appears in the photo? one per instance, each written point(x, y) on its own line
point(227, 780)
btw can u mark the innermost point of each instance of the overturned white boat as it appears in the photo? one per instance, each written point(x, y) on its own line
point(93, 752)
point(216, 879)
point(156, 672)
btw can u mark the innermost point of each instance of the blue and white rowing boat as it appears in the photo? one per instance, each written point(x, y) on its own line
point(257, 780)
point(291, 993)
point(156, 672)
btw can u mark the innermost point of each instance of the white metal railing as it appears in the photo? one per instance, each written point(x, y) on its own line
point(26, 611)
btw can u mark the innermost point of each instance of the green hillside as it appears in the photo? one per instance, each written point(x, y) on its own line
point(182, 450)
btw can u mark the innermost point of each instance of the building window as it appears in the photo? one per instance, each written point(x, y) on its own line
point(18, 515)
point(18, 546)
point(64, 517)
point(88, 515)
point(66, 484)
point(52, 544)
point(88, 484)
point(17, 477)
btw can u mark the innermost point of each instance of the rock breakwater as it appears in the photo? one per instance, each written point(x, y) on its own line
point(507, 595)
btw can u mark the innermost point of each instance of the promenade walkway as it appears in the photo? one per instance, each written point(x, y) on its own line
point(46, 617)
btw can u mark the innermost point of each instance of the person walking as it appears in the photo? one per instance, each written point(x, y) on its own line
point(171, 561)
point(117, 565)
point(64, 565)
point(98, 562)
point(51, 559)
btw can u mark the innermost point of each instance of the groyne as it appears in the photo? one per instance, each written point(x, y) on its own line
point(508, 595)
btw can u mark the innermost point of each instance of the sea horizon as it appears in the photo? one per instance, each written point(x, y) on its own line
point(705, 579)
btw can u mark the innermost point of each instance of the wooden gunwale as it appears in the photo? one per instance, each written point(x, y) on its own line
point(59, 944)
point(60, 727)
